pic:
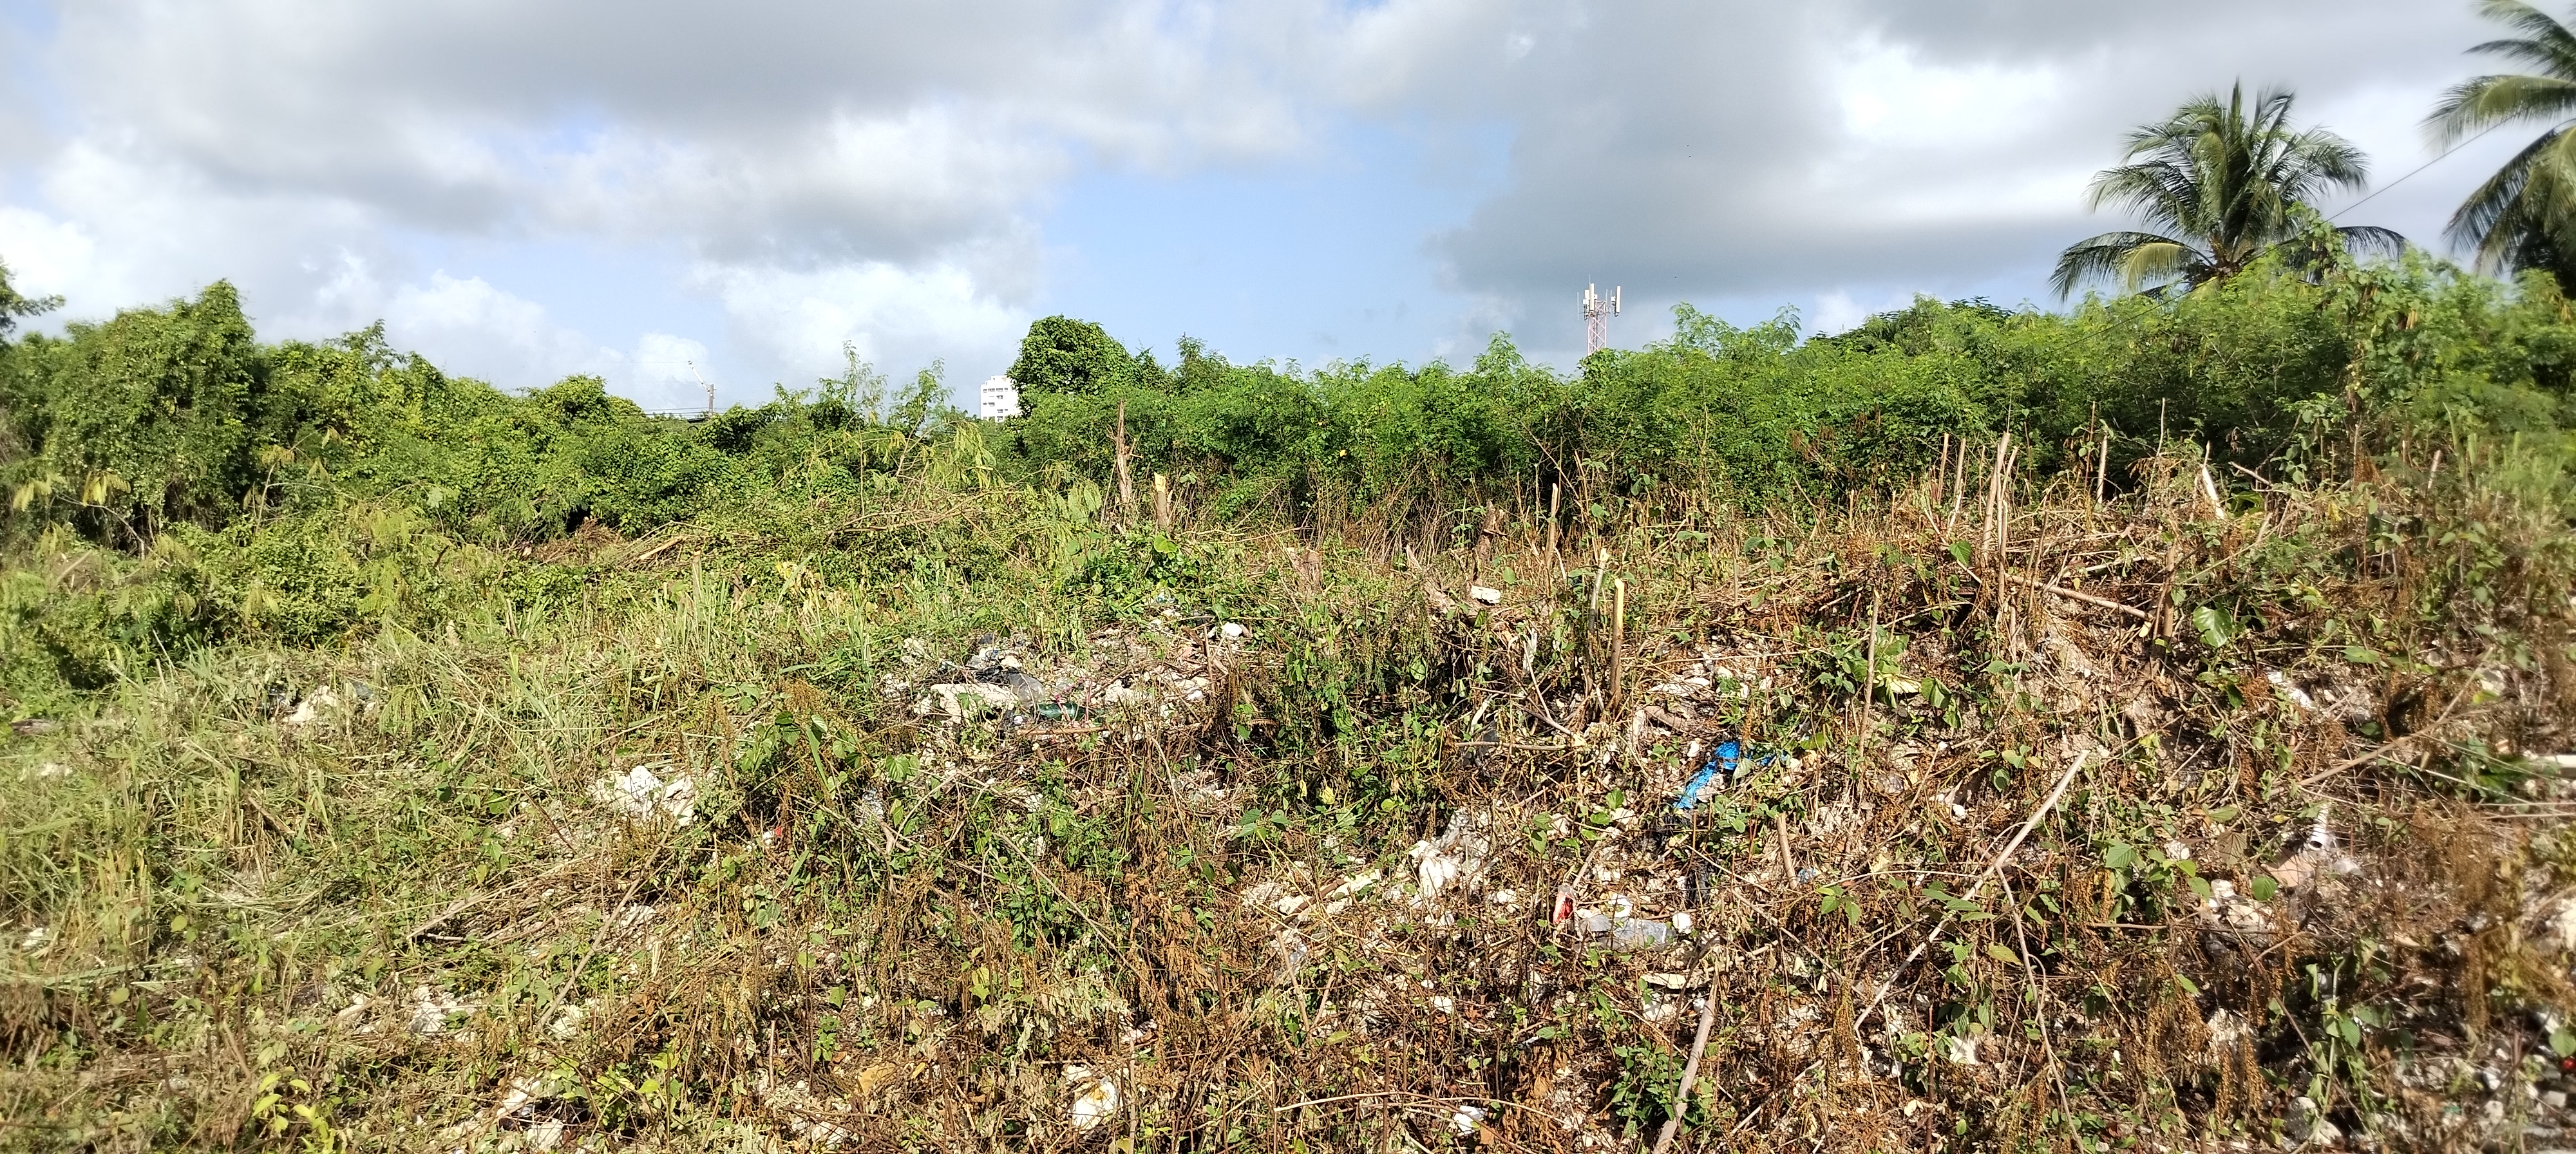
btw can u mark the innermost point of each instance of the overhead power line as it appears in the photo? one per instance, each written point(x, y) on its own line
point(2446, 155)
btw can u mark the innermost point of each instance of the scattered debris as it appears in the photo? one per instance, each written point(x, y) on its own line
point(52, 771)
point(1726, 764)
point(567, 1023)
point(1961, 1050)
point(2305, 1125)
point(1354, 884)
point(1456, 858)
point(2321, 857)
point(1465, 1120)
point(2562, 926)
point(1094, 1102)
point(430, 1011)
point(640, 794)
point(36, 727)
point(1233, 630)
point(314, 705)
point(2282, 685)
point(2224, 909)
point(1485, 595)
point(2227, 1028)
point(963, 700)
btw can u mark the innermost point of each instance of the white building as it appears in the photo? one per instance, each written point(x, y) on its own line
point(1001, 398)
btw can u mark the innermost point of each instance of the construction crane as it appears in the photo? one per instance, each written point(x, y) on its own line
point(1597, 311)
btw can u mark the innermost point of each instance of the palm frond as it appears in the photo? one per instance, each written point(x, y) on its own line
point(2161, 262)
point(2532, 195)
point(2539, 29)
point(2371, 239)
point(2113, 256)
point(2477, 104)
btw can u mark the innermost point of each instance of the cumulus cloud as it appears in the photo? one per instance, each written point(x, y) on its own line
point(882, 173)
point(771, 153)
point(1853, 147)
point(892, 316)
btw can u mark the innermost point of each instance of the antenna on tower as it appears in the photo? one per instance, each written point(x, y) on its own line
point(1597, 311)
point(702, 383)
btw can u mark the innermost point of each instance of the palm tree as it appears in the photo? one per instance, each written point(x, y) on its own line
point(2226, 184)
point(2523, 217)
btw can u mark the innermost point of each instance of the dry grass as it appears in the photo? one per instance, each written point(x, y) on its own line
point(882, 930)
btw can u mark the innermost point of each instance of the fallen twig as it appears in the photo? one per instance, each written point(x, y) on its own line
point(1992, 868)
point(657, 550)
point(2086, 598)
point(1690, 1071)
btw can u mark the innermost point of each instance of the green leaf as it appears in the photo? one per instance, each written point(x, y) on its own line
point(2199, 885)
point(1959, 551)
point(2216, 630)
point(2223, 815)
point(2120, 856)
point(2360, 655)
point(2263, 887)
point(2000, 953)
point(2562, 1042)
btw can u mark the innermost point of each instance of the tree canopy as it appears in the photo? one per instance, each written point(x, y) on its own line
point(2223, 183)
point(2524, 216)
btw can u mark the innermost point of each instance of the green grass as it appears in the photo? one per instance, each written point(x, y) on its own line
point(895, 931)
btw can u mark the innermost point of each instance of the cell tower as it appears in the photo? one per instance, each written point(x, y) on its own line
point(1597, 311)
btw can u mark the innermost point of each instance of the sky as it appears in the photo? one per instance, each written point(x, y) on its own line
point(675, 196)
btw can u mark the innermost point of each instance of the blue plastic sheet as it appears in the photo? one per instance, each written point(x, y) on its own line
point(1726, 761)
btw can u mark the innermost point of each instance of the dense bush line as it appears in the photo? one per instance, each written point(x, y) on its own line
point(189, 483)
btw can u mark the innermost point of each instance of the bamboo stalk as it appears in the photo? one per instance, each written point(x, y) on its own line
point(2102, 467)
point(1618, 640)
point(1126, 479)
point(1554, 493)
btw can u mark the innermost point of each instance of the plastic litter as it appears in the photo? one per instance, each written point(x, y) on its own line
point(1628, 934)
point(2322, 856)
point(1962, 1051)
point(314, 705)
point(1465, 1121)
point(2282, 685)
point(1354, 884)
point(1021, 685)
point(639, 794)
point(1727, 760)
point(1097, 1100)
point(430, 1011)
point(1484, 595)
point(1637, 935)
point(1457, 857)
point(955, 699)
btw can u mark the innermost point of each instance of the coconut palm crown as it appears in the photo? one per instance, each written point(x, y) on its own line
point(2523, 217)
point(2223, 183)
